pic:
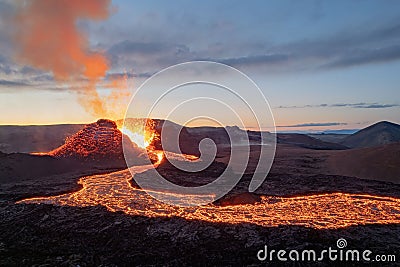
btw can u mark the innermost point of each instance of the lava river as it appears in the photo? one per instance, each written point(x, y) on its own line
point(333, 210)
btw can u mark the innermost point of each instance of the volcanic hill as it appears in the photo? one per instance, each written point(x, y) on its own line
point(381, 133)
point(98, 141)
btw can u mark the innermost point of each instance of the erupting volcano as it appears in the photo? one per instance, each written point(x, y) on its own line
point(103, 140)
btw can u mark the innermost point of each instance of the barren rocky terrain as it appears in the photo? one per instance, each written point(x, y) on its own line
point(94, 234)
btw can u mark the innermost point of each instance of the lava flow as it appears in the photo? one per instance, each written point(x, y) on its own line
point(321, 211)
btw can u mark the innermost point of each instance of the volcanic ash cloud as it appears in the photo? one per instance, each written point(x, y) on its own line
point(47, 38)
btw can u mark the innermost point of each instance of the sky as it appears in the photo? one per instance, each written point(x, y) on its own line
point(320, 64)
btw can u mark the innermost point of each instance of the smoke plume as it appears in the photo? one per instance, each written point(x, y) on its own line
point(47, 38)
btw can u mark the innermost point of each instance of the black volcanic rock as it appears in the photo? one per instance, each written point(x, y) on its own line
point(47, 235)
point(378, 134)
point(191, 179)
point(239, 199)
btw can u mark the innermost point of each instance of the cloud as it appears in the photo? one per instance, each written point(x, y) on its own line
point(364, 56)
point(339, 50)
point(351, 105)
point(129, 75)
point(256, 60)
point(131, 47)
point(12, 83)
point(378, 106)
point(342, 49)
point(313, 124)
point(148, 56)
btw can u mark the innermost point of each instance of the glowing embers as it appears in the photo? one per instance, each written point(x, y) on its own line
point(323, 211)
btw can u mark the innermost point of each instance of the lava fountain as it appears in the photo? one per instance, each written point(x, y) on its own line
point(139, 139)
point(143, 134)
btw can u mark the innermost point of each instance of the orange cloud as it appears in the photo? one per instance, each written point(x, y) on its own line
point(47, 37)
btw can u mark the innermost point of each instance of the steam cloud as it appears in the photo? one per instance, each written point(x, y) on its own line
point(47, 37)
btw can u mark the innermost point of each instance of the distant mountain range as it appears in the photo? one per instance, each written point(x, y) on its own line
point(306, 141)
point(340, 131)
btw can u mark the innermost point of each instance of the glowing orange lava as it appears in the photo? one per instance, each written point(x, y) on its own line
point(142, 139)
point(160, 156)
point(321, 211)
point(140, 131)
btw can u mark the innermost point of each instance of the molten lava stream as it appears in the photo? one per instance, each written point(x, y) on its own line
point(322, 211)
